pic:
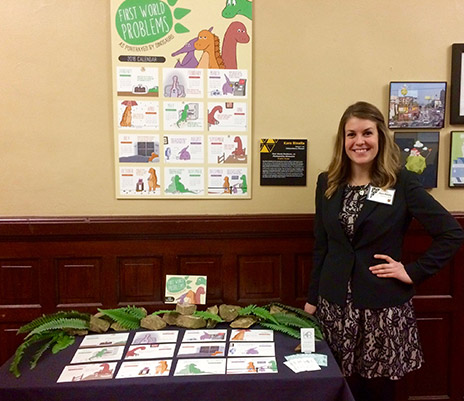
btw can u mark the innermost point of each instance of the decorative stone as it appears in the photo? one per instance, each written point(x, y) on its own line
point(98, 325)
point(213, 309)
point(171, 318)
point(244, 322)
point(117, 327)
point(153, 322)
point(190, 322)
point(75, 332)
point(186, 309)
point(228, 312)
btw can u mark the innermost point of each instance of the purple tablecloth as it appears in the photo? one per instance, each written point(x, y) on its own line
point(40, 384)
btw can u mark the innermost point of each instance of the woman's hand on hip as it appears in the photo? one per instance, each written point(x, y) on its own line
point(390, 269)
point(308, 308)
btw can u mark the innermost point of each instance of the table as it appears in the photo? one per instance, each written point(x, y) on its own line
point(40, 384)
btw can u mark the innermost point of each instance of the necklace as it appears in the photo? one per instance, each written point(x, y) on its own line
point(361, 189)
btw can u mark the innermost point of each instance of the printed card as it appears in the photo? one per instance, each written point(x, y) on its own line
point(99, 354)
point(251, 349)
point(251, 335)
point(185, 289)
point(150, 351)
point(251, 365)
point(200, 367)
point(90, 371)
point(201, 349)
point(204, 335)
point(155, 337)
point(104, 340)
point(144, 369)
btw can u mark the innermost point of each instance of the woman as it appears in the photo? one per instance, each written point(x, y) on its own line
point(360, 290)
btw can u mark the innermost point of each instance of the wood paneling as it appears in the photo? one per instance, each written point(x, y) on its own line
point(89, 262)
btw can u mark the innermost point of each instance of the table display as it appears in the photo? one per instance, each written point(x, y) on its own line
point(173, 377)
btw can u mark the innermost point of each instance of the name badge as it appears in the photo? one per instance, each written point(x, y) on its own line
point(379, 195)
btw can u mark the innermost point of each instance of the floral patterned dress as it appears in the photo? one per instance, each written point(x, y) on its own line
point(370, 342)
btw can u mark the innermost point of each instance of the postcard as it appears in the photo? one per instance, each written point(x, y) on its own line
point(144, 369)
point(251, 335)
point(250, 349)
point(99, 354)
point(185, 289)
point(251, 365)
point(204, 335)
point(90, 371)
point(150, 351)
point(104, 340)
point(155, 337)
point(198, 367)
point(201, 349)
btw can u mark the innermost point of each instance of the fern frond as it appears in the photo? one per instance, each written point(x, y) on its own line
point(247, 310)
point(208, 315)
point(291, 320)
point(60, 324)
point(264, 314)
point(63, 341)
point(138, 313)
point(48, 318)
point(126, 317)
point(162, 312)
point(283, 329)
point(40, 352)
point(297, 311)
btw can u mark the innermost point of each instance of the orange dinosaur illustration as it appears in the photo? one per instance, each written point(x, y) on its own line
point(251, 367)
point(226, 185)
point(240, 335)
point(126, 120)
point(209, 43)
point(153, 180)
point(162, 367)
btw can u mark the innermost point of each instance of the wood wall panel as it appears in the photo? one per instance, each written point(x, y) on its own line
point(88, 262)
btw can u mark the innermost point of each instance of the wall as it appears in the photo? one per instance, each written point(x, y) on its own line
point(311, 60)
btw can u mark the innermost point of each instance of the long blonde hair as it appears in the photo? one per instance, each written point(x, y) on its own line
point(387, 162)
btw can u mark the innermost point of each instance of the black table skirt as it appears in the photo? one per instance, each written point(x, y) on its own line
point(40, 384)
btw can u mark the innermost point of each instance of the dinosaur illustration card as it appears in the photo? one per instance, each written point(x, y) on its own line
point(227, 116)
point(200, 367)
point(204, 335)
point(183, 149)
point(227, 83)
point(155, 337)
point(185, 289)
point(251, 365)
point(150, 351)
point(104, 340)
point(182, 82)
point(228, 181)
point(251, 349)
point(184, 181)
point(144, 369)
point(89, 371)
point(134, 148)
point(140, 181)
point(137, 81)
point(138, 114)
point(252, 335)
point(99, 354)
point(201, 350)
point(183, 116)
point(224, 149)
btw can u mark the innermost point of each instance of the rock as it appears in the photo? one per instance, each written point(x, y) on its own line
point(75, 332)
point(244, 322)
point(98, 325)
point(117, 327)
point(213, 309)
point(190, 322)
point(171, 318)
point(228, 312)
point(186, 309)
point(153, 322)
point(211, 324)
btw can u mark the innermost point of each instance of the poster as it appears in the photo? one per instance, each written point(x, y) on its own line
point(182, 96)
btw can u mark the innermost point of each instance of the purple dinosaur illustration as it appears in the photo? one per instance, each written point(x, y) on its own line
point(228, 87)
point(189, 60)
point(184, 154)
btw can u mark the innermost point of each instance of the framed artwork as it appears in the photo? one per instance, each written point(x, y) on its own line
point(419, 154)
point(457, 89)
point(416, 105)
point(456, 176)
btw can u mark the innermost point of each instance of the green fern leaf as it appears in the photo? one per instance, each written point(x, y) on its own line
point(287, 319)
point(40, 352)
point(208, 315)
point(264, 314)
point(126, 317)
point(283, 329)
point(60, 324)
point(48, 318)
point(162, 312)
point(63, 341)
point(247, 310)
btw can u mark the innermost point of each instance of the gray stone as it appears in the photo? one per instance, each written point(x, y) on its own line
point(153, 322)
point(190, 322)
point(228, 312)
point(244, 322)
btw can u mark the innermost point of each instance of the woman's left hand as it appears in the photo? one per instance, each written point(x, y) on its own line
point(391, 269)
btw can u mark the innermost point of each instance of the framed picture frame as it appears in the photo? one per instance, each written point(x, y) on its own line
point(419, 154)
point(416, 105)
point(456, 168)
point(457, 84)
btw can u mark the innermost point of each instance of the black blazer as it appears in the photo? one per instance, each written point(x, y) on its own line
point(379, 229)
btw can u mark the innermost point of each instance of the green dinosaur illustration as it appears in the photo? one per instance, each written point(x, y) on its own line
point(191, 369)
point(273, 366)
point(99, 354)
point(237, 7)
point(176, 186)
point(244, 183)
point(183, 116)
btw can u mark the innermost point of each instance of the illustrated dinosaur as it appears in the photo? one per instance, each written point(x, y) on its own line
point(161, 368)
point(191, 297)
point(152, 180)
point(211, 119)
point(228, 87)
point(183, 116)
point(99, 354)
point(177, 186)
point(226, 185)
point(133, 352)
point(244, 184)
point(189, 61)
point(184, 154)
point(251, 367)
point(240, 335)
point(208, 42)
point(175, 89)
point(237, 7)
point(235, 33)
point(239, 152)
point(191, 369)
